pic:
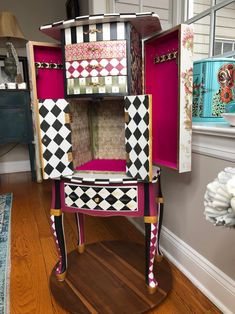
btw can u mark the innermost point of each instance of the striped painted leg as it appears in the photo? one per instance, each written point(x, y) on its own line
point(160, 207)
point(150, 247)
point(58, 231)
point(80, 227)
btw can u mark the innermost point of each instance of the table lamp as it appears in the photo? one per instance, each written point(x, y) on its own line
point(12, 37)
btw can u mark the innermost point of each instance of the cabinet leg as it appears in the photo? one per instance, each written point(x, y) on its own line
point(150, 249)
point(57, 227)
point(160, 207)
point(80, 227)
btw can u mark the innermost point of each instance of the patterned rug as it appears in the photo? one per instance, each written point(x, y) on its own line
point(5, 241)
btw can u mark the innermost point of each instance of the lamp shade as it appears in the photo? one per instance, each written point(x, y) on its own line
point(10, 30)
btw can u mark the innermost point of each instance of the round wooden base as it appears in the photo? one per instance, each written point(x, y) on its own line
point(109, 278)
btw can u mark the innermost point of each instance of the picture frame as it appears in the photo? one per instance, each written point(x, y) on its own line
point(72, 9)
point(23, 70)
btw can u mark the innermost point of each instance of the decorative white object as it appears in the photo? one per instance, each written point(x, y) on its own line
point(230, 118)
point(219, 199)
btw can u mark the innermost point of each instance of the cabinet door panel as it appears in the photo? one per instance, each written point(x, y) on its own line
point(55, 138)
point(138, 136)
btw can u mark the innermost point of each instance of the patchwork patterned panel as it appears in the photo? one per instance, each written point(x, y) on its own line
point(95, 32)
point(113, 198)
point(99, 67)
point(138, 137)
point(55, 136)
point(97, 85)
point(96, 50)
point(136, 62)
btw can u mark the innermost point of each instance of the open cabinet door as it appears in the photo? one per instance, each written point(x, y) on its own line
point(138, 136)
point(169, 77)
point(51, 111)
point(55, 138)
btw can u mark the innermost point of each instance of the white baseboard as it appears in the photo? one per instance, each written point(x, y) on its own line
point(14, 166)
point(208, 278)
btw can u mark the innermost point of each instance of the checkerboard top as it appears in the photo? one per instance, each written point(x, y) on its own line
point(146, 23)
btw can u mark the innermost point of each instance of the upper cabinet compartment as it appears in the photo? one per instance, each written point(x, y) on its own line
point(168, 77)
point(103, 54)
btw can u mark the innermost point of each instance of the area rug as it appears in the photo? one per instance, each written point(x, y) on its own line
point(5, 242)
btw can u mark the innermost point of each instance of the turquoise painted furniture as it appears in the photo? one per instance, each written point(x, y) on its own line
point(213, 88)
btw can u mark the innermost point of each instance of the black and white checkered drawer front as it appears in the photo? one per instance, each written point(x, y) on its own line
point(101, 198)
point(95, 32)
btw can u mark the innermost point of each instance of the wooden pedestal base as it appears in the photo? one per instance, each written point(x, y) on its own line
point(109, 278)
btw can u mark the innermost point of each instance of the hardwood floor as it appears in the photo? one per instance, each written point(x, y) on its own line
point(33, 254)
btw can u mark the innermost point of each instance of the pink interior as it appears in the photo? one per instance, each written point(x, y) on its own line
point(50, 82)
point(118, 165)
point(161, 80)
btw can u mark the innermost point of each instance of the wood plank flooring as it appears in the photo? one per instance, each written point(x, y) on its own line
point(33, 254)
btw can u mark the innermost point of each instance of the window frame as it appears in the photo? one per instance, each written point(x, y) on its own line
point(189, 19)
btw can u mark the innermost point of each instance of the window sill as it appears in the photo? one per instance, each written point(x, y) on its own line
point(214, 139)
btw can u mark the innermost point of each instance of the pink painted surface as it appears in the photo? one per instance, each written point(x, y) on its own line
point(104, 165)
point(161, 80)
point(92, 212)
point(50, 82)
point(153, 192)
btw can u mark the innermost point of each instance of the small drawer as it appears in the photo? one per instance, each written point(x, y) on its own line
point(98, 67)
point(95, 32)
point(97, 85)
point(101, 198)
point(95, 50)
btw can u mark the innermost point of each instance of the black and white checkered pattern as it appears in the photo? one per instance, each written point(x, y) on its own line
point(137, 136)
point(102, 198)
point(85, 33)
point(146, 23)
point(55, 138)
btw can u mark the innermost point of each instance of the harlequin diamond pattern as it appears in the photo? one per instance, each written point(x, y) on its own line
point(98, 67)
point(55, 138)
point(101, 198)
point(137, 136)
point(153, 242)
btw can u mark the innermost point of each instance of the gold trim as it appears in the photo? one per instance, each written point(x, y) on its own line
point(150, 219)
point(67, 118)
point(55, 212)
point(70, 156)
point(61, 277)
point(127, 157)
point(126, 117)
point(152, 290)
point(81, 248)
point(159, 200)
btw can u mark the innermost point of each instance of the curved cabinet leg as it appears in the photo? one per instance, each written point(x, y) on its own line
point(150, 250)
point(58, 231)
point(80, 228)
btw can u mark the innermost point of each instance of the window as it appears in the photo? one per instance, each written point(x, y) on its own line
point(162, 7)
point(214, 27)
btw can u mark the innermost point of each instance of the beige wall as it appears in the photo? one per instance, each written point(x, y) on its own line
point(183, 212)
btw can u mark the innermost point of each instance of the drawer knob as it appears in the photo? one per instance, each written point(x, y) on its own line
point(92, 49)
point(97, 200)
point(94, 66)
point(95, 84)
point(92, 31)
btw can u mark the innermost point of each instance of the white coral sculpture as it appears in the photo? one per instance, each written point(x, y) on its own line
point(219, 199)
